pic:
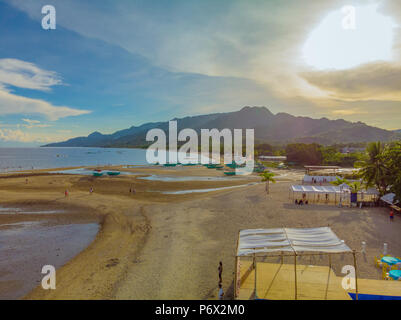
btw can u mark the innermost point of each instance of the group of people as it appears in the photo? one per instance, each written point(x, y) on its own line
point(301, 202)
point(314, 181)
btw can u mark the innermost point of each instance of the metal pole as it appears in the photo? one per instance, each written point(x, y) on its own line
point(356, 276)
point(236, 267)
point(295, 270)
point(254, 266)
point(235, 277)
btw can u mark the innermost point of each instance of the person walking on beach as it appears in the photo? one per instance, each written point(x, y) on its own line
point(91, 190)
point(391, 215)
point(66, 193)
point(220, 269)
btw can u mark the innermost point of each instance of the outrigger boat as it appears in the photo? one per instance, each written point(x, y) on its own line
point(170, 164)
point(97, 174)
point(113, 173)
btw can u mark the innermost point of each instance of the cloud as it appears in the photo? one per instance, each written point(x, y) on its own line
point(22, 74)
point(374, 81)
point(259, 41)
point(14, 104)
point(347, 112)
point(34, 124)
point(16, 135)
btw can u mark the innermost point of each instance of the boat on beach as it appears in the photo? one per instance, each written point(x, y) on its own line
point(97, 174)
point(113, 173)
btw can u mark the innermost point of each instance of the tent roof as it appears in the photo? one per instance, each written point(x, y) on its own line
point(389, 198)
point(316, 189)
point(328, 189)
point(263, 241)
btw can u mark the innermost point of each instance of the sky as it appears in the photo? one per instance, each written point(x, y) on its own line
point(111, 64)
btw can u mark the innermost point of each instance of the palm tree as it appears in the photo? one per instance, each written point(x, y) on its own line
point(355, 186)
point(339, 181)
point(374, 171)
point(268, 177)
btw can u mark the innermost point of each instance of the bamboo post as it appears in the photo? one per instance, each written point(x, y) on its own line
point(295, 270)
point(356, 276)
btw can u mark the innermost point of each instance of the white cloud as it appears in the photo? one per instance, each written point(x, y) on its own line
point(34, 124)
point(26, 75)
point(16, 135)
point(14, 104)
point(22, 74)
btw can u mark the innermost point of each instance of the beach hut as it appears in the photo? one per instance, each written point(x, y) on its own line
point(257, 279)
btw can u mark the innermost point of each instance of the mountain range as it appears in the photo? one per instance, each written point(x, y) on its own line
point(280, 128)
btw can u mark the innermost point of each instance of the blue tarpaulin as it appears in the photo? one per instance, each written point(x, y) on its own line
point(362, 296)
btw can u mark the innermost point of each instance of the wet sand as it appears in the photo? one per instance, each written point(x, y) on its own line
point(163, 246)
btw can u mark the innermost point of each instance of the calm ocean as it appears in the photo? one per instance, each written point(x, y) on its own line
point(14, 159)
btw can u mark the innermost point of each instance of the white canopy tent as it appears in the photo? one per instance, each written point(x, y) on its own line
point(319, 189)
point(256, 241)
point(331, 193)
point(288, 242)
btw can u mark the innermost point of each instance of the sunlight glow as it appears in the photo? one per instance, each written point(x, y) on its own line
point(331, 46)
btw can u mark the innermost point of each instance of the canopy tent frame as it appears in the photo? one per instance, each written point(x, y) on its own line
point(341, 192)
point(288, 253)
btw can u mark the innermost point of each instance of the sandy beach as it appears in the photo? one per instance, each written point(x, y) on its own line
point(153, 245)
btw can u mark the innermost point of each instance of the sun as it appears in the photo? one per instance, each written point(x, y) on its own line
point(331, 46)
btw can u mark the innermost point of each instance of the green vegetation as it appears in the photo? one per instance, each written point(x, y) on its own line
point(302, 153)
point(339, 181)
point(382, 169)
point(268, 177)
point(333, 157)
point(315, 154)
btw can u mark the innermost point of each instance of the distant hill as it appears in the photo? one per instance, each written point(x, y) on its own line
point(280, 128)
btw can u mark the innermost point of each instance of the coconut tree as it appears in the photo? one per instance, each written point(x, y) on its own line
point(339, 181)
point(268, 177)
point(374, 171)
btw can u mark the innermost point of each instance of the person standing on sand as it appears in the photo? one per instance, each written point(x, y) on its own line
point(91, 190)
point(66, 193)
point(220, 269)
point(391, 215)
